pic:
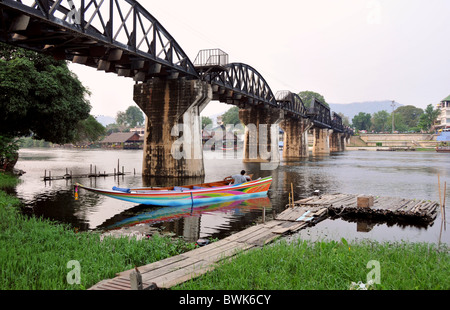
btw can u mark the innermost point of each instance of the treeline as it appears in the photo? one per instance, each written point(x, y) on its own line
point(404, 119)
point(125, 120)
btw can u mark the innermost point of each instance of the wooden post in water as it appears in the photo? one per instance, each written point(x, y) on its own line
point(292, 196)
point(136, 280)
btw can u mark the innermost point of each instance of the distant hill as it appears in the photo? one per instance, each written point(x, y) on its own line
point(105, 120)
point(352, 109)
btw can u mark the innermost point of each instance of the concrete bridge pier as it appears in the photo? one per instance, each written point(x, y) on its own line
point(261, 137)
point(295, 138)
point(321, 144)
point(173, 144)
point(344, 138)
point(337, 142)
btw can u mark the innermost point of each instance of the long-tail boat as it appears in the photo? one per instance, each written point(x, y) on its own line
point(187, 195)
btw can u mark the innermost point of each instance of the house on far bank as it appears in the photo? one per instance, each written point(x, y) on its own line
point(123, 140)
point(443, 120)
point(220, 138)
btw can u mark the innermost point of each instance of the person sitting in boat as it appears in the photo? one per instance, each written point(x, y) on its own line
point(239, 178)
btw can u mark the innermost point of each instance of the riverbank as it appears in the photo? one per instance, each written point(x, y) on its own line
point(38, 254)
point(331, 265)
point(411, 141)
point(46, 248)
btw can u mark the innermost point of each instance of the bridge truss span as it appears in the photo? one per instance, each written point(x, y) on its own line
point(118, 36)
point(240, 84)
point(291, 103)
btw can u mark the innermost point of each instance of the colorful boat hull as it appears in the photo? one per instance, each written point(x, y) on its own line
point(252, 189)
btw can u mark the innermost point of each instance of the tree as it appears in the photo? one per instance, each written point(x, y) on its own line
point(399, 123)
point(345, 120)
point(39, 96)
point(307, 96)
point(121, 118)
point(135, 117)
point(380, 121)
point(410, 116)
point(362, 121)
point(428, 118)
point(206, 121)
point(231, 117)
point(132, 117)
point(8, 153)
point(89, 130)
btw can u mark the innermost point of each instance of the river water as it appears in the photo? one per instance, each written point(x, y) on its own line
point(398, 174)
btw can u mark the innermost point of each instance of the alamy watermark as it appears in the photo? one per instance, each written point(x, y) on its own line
point(262, 143)
point(74, 15)
point(372, 278)
point(74, 275)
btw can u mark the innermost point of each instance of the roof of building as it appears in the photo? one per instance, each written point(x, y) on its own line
point(446, 99)
point(119, 137)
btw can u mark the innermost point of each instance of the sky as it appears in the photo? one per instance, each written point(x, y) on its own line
point(346, 50)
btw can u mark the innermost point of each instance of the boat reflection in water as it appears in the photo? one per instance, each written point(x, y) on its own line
point(253, 207)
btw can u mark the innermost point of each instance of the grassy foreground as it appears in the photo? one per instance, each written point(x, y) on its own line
point(36, 254)
point(331, 265)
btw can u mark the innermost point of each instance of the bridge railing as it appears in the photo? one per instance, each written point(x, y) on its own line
point(107, 24)
point(211, 57)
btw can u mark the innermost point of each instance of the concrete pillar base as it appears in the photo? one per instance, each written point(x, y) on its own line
point(173, 144)
point(261, 137)
point(295, 138)
point(337, 143)
point(321, 144)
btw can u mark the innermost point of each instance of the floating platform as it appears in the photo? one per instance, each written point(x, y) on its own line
point(299, 215)
point(399, 209)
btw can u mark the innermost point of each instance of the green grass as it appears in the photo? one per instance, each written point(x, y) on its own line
point(34, 252)
point(8, 180)
point(330, 265)
point(424, 149)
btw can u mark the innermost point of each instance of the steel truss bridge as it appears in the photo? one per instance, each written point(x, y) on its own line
point(122, 37)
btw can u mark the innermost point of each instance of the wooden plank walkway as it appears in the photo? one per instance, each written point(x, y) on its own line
point(306, 212)
point(178, 269)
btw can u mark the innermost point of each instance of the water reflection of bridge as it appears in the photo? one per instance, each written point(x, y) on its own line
point(122, 37)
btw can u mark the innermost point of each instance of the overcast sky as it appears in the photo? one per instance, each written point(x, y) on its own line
point(346, 50)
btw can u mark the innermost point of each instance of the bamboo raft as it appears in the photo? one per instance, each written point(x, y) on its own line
point(298, 215)
point(382, 207)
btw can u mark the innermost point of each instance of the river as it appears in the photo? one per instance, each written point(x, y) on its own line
point(399, 174)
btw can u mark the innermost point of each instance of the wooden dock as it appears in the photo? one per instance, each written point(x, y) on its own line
point(382, 207)
point(92, 174)
point(303, 213)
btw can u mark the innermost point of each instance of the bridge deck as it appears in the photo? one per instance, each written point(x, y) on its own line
point(306, 212)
